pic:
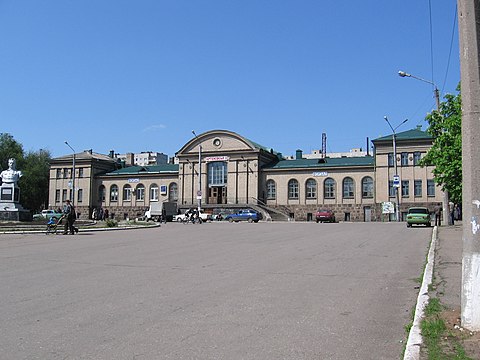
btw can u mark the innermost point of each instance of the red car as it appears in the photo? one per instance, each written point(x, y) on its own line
point(323, 215)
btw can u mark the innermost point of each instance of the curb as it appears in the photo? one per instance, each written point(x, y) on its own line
point(84, 230)
point(412, 350)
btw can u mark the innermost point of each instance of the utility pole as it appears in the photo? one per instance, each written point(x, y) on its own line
point(469, 33)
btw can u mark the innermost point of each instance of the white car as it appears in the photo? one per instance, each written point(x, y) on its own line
point(204, 216)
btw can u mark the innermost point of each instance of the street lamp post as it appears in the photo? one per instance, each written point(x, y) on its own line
point(73, 173)
point(445, 201)
point(394, 140)
point(199, 192)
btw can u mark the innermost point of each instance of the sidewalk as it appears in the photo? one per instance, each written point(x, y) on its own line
point(448, 281)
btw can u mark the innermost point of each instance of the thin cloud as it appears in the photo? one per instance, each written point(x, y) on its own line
point(154, 127)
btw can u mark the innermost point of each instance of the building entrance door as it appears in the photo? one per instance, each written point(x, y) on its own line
point(367, 212)
point(217, 195)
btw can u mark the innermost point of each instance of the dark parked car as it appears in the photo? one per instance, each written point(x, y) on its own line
point(323, 215)
point(244, 215)
point(418, 216)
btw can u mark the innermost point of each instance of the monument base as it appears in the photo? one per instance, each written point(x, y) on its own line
point(11, 214)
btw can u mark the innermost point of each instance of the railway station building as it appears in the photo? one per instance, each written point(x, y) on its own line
point(235, 172)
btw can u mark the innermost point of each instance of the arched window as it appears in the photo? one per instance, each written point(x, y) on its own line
point(311, 189)
point(154, 192)
point(329, 188)
point(271, 190)
point(367, 187)
point(140, 192)
point(127, 193)
point(173, 192)
point(293, 189)
point(114, 193)
point(348, 188)
point(101, 193)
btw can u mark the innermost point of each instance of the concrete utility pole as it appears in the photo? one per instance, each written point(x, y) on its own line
point(469, 32)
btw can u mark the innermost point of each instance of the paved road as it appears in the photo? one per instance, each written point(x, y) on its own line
point(211, 291)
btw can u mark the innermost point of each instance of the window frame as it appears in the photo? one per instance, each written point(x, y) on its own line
point(311, 189)
point(348, 188)
point(154, 192)
point(114, 193)
point(417, 188)
point(293, 189)
point(271, 187)
point(127, 193)
point(405, 188)
point(329, 188)
point(367, 193)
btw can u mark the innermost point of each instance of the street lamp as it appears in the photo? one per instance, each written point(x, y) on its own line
point(199, 192)
point(73, 174)
point(394, 138)
point(445, 200)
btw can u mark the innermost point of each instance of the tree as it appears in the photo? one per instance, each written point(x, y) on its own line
point(445, 126)
point(35, 180)
point(9, 148)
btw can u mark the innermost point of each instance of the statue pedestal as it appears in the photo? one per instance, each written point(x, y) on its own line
point(10, 208)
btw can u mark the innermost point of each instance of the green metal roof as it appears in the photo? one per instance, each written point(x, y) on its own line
point(322, 163)
point(413, 134)
point(150, 169)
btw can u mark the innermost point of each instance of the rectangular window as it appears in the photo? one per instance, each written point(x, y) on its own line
point(65, 173)
point(405, 188)
point(64, 195)
point(391, 189)
point(80, 172)
point(80, 195)
point(417, 156)
point(390, 160)
point(217, 173)
point(71, 195)
point(404, 159)
point(430, 188)
point(417, 188)
point(57, 196)
point(59, 173)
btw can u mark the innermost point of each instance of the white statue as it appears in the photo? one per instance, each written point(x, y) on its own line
point(11, 175)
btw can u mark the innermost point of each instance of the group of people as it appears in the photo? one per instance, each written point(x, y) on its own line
point(454, 213)
point(100, 214)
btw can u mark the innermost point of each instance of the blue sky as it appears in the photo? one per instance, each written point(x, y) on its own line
point(140, 75)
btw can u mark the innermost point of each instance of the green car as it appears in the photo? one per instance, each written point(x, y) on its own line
point(418, 216)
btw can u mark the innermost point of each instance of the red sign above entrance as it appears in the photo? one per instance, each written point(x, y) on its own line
point(216, 158)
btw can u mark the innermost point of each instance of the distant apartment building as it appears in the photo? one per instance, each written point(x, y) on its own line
point(144, 158)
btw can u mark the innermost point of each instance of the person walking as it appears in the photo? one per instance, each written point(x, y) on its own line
point(437, 210)
point(68, 212)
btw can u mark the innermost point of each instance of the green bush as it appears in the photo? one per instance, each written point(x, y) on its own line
point(111, 223)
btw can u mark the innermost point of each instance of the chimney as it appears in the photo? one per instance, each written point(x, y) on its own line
point(299, 154)
point(130, 159)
